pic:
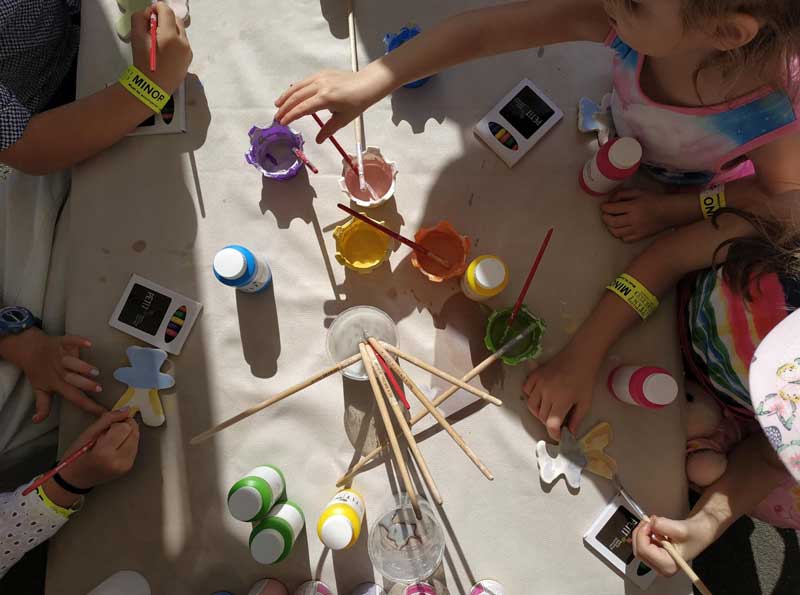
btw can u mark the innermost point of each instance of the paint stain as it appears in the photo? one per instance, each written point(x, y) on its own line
point(540, 53)
point(472, 196)
point(139, 246)
point(105, 250)
point(392, 293)
point(103, 279)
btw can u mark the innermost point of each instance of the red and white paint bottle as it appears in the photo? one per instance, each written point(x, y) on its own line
point(615, 162)
point(645, 386)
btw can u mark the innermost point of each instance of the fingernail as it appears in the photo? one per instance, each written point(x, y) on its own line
point(124, 409)
point(98, 389)
point(94, 372)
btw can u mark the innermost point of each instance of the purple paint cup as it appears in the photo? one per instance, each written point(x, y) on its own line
point(272, 151)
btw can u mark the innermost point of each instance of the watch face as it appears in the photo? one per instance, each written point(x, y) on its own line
point(14, 319)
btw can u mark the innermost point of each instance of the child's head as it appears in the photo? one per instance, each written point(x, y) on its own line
point(738, 34)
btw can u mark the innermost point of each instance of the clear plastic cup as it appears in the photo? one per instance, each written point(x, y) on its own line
point(404, 549)
point(347, 331)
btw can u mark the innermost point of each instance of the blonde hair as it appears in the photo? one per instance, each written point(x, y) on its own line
point(773, 53)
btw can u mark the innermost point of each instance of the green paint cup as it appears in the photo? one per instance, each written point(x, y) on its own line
point(498, 335)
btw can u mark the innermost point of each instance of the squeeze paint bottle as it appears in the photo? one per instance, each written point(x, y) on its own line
point(236, 266)
point(314, 588)
point(485, 277)
point(645, 386)
point(615, 162)
point(273, 537)
point(368, 589)
point(268, 586)
point(340, 522)
point(253, 496)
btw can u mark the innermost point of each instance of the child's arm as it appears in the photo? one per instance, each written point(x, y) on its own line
point(27, 521)
point(467, 36)
point(753, 472)
point(560, 391)
point(633, 215)
point(61, 137)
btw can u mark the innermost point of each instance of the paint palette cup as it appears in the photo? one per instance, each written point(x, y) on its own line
point(272, 151)
point(443, 240)
point(392, 41)
point(497, 328)
point(379, 173)
point(347, 331)
point(361, 247)
point(404, 549)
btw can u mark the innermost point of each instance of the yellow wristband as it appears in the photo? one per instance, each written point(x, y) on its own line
point(637, 295)
point(65, 512)
point(145, 90)
point(712, 200)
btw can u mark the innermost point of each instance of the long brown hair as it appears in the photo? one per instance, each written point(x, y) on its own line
point(774, 249)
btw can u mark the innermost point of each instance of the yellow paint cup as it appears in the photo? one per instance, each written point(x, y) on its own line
point(360, 246)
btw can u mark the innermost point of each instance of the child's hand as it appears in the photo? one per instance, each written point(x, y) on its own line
point(562, 385)
point(690, 537)
point(345, 94)
point(53, 365)
point(632, 215)
point(112, 455)
point(174, 53)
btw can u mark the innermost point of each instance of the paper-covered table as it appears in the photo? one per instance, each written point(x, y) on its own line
point(162, 206)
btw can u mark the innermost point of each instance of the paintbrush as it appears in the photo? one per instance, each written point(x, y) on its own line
point(393, 234)
point(153, 35)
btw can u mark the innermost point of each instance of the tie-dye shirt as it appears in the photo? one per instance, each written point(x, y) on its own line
point(720, 330)
point(697, 146)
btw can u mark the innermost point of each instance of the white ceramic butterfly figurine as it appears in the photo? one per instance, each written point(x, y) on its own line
point(570, 457)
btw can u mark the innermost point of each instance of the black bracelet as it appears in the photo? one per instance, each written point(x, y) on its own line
point(69, 487)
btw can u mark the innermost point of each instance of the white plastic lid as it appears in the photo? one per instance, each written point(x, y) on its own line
point(229, 263)
point(267, 546)
point(337, 533)
point(245, 503)
point(490, 273)
point(660, 389)
point(625, 153)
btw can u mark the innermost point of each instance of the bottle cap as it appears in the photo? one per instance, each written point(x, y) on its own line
point(230, 263)
point(267, 546)
point(245, 503)
point(625, 153)
point(336, 533)
point(491, 273)
point(660, 388)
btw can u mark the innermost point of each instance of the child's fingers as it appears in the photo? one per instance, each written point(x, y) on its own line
point(77, 365)
point(650, 553)
point(626, 194)
point(166, 17)
point(527, 388)
point(74, 341)
point(674, 530)
point(297, 98)
point(82, 383)
point(309, 106)
point(80, 400)
point(129, 448)
point(555, 421)
point(615, 221)
point(337, 121)
point(615, 208)
point(100, 425)
point(293, 88)
point(140, 24)
point(534, 402)
point(115, 435)
point(576, 416)
point(42, 401)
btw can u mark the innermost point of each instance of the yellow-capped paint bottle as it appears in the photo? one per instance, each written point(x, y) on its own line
point(340, 522)
point(485, 277)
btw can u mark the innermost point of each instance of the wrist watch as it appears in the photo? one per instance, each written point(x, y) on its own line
point(15, 319)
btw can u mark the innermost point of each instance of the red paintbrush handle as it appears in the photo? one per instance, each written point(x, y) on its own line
point(336, 144)
point(532, 272)
point(386, 370)
point(68, 461)
point(386, 230)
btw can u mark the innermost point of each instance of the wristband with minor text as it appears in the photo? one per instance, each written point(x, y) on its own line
point(145, 90)
point(712, 200)
point(635, 294)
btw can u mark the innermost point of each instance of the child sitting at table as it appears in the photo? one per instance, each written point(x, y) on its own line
point(724, 313)
point(43, 130)
point(27, 521)
point(706, 86)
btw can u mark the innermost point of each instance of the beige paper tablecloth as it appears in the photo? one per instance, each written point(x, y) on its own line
point(161, 207)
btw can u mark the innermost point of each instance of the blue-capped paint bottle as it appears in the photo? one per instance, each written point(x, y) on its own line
point(236, 266)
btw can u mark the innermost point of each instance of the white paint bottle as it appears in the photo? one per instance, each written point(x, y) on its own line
point(238, 267)
point(485, 278)
point(615, 162)
point(314, 588)
point(268, 586)
point(645, 386)
point(274, 536)
point(420, 589)
point(340, 522)
point(253, 496)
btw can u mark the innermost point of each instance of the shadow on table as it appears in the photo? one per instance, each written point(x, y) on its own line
point(288, 200)
point(260, 332)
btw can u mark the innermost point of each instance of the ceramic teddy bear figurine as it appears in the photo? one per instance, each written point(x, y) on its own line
point(144, 380)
